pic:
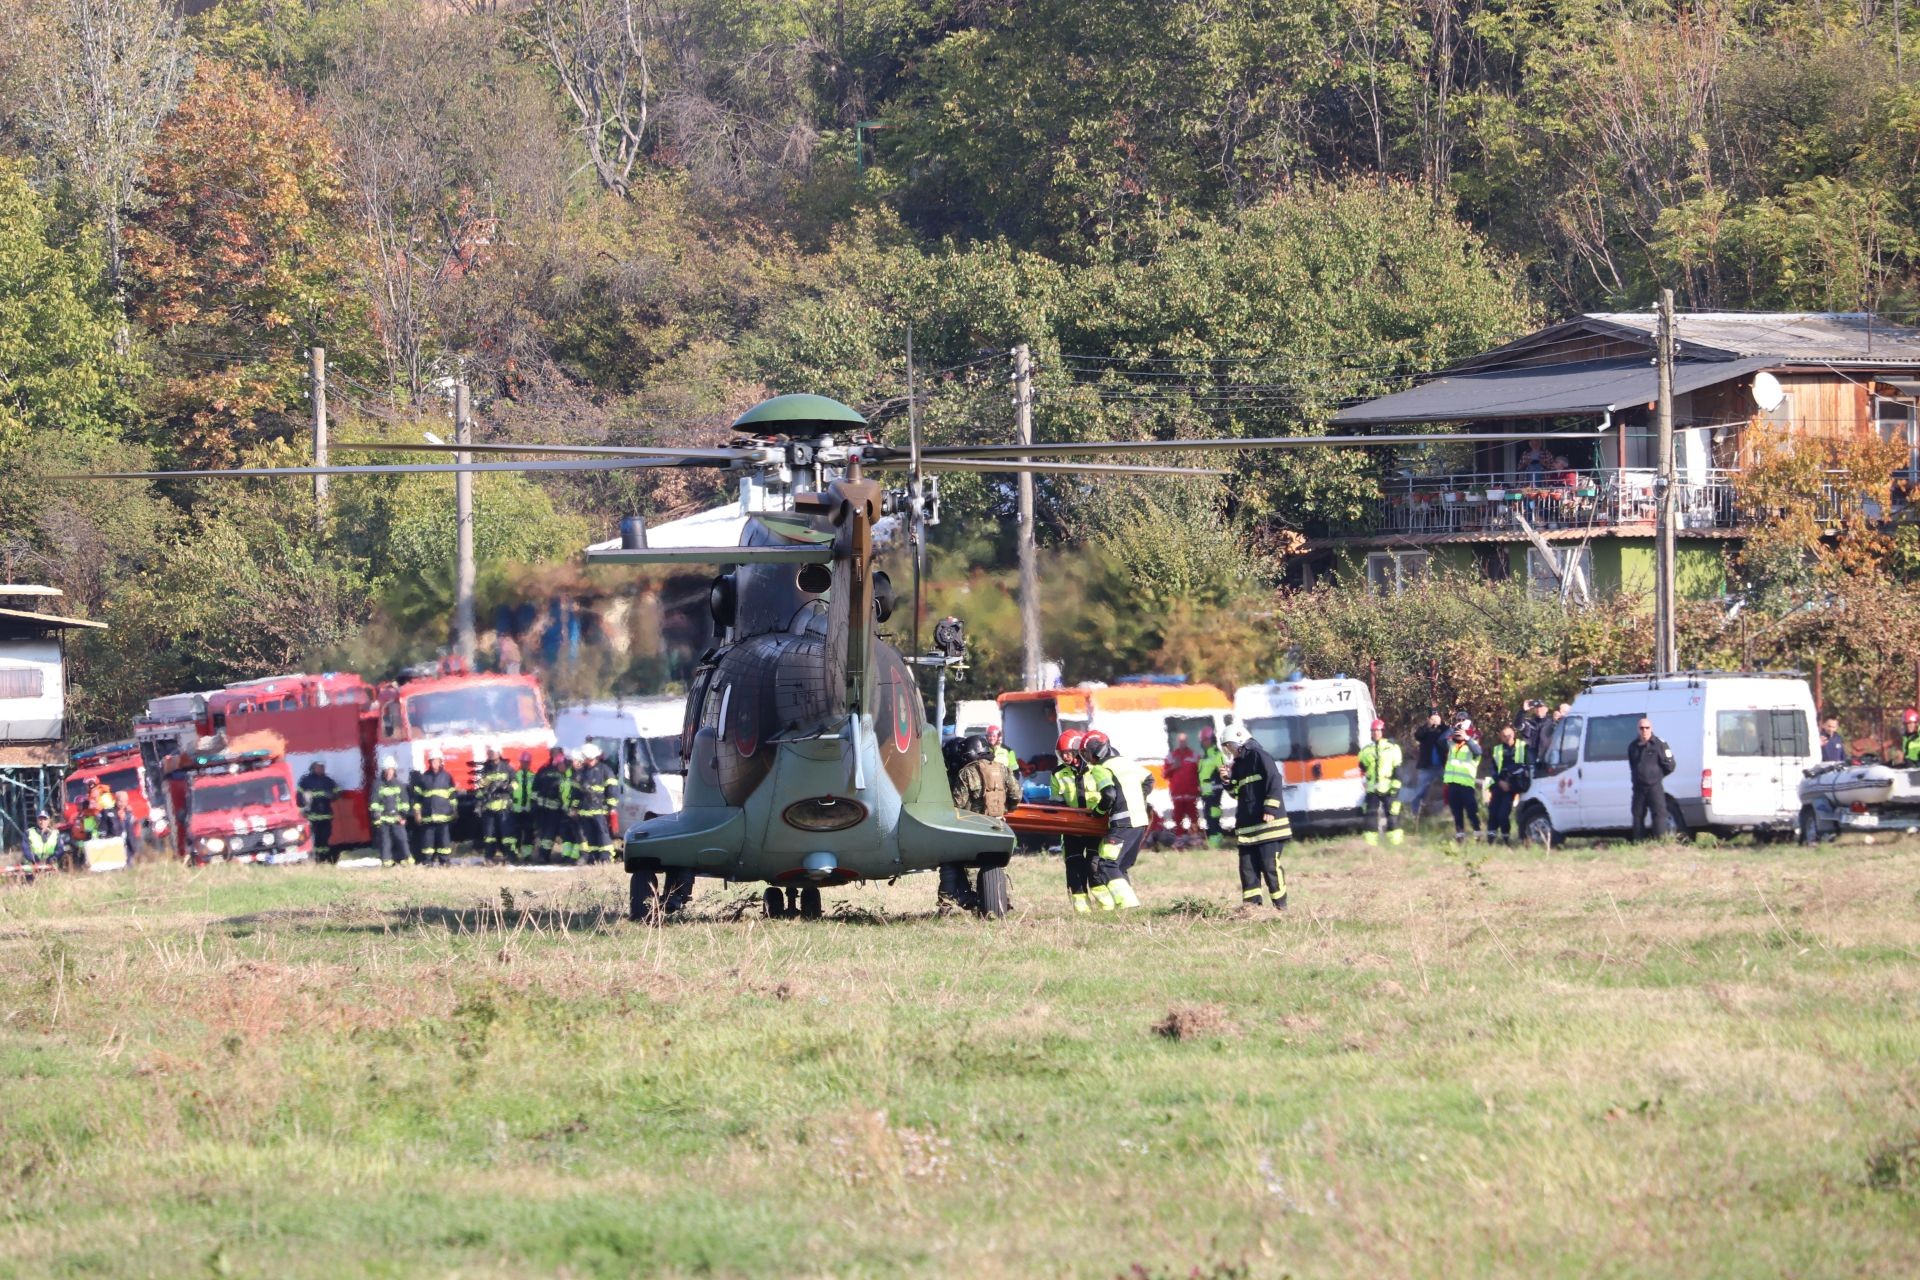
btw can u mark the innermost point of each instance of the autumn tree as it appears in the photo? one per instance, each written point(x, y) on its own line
point(105, 73)
point(238, 261)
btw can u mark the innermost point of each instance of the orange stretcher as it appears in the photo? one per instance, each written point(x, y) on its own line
point(1035, 819)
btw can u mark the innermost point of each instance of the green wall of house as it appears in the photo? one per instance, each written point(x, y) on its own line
point(1619, 565)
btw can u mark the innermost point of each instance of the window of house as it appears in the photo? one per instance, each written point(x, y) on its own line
point(22, 682)
point(1544, 575)
point(1895, 419)
point(1388, 572)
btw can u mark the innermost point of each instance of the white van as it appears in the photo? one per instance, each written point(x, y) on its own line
point(1314, 730)
point(975, 716)
point(1741, 744)
point(640, 738)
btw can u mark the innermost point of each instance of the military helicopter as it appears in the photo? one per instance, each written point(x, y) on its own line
point(809, 758)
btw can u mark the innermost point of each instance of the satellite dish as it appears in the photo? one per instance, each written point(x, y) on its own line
point(1767, 391)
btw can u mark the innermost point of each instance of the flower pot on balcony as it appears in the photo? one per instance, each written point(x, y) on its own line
point(1496, 495)
point(1476, 497)
point(1449, 497)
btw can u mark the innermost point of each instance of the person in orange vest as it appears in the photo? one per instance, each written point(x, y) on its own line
point(106, 809)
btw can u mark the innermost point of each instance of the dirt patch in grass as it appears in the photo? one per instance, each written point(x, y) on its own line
point(1196, 1022)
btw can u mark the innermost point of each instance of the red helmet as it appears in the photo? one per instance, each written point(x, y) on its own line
point(1378, 726)
point(1912, 716)
point(1069, 742)
point(1096, 746)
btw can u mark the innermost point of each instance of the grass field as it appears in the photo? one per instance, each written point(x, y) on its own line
point(1676, 1061)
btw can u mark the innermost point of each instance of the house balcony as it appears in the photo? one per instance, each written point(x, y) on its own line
point(1501, 507)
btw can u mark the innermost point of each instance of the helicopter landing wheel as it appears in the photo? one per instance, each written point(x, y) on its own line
point(810, 903)
point(776, 900)
point(996, 893)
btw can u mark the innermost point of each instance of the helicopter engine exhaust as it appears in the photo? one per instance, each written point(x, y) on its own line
point(820, 866)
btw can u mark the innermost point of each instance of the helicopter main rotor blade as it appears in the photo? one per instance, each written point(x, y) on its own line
point(662, 455)
point(932, 452)
point(1055, 468)
point(384, 469)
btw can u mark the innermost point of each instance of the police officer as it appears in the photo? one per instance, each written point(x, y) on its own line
point(1461, 774)
point(1213, 777)
point(434, 809)
point(1507, 765)
point(1380, 762)
point(522, 806)
point(317, 791)
point(493, 804)
point(42, 845)
point(1002, 755)
point(595, 792)
point(1649, 761)
point(1260, 825)
point(1116, 788)
point(1069, 788)
point(548, 811)
point(387, 808)
point(981, 784)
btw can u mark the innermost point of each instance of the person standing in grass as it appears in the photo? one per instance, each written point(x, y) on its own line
point(1380, 775)
point(1461, 776)
point(1212, 769)
point(387, 807)
point(1261, 828)
point(1506, 767)
point(1649, 761)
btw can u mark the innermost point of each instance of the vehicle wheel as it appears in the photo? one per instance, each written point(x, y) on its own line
point(643, 902)
point(776, 901)
point(1537, 828)
point(1676, 827)
point(810, 903)
point(996, 892)
point(1809, 826)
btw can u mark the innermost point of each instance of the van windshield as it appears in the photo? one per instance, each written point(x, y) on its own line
point(1761, 733)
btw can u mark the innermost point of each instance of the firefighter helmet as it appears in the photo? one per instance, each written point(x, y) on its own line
point(1236, 736)
point(1069, 742)
point(1096, 746)
point(1912, 717)
point(388, 762)
point(590, 752)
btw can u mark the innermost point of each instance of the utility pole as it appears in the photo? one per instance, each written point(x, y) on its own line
point(463, 642)
point(317, 392)
point(916, 512)
point(1029, 572)
point(1665, 658)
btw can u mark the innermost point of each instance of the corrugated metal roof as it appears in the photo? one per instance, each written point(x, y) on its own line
point(1850, 337)
point(1590, 387)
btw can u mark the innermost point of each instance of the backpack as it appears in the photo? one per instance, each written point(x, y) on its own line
point(993, 784)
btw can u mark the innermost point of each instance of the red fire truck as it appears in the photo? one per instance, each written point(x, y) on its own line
point(235, 801)
point(120, 766)
point(347, 725)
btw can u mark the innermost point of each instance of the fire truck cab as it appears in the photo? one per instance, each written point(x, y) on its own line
point(235, 804)
point(317, 718)
point(462, 714)
point(121, 767)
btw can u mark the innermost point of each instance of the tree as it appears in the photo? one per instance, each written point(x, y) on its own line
point(238, 261)
point(598, 51)
point(108, 72)
point(62, 371)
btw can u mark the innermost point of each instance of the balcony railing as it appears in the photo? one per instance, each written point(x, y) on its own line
point(1595, 500)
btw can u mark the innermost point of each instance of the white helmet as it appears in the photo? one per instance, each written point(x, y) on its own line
point(388, 762)
point(590, 752)
point(1236, 736)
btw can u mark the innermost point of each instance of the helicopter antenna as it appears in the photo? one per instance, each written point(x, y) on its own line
point(916, 496)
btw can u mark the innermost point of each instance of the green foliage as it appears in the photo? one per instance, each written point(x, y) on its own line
point(62, 369)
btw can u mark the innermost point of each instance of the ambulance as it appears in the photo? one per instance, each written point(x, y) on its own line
point(1314, 730)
